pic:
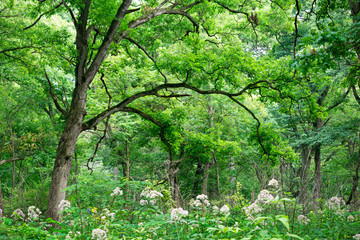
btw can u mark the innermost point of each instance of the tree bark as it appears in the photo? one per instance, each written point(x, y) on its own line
point(354, 193)
point(1, 203)
point(205, 178)
point(304, 174)
point(65, 151)
point(198, 172)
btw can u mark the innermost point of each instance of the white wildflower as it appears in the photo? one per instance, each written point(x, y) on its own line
point(176, 214)
point(18, 214)
point(335, 203)
point(64, 205)
point(147, 192)
point(143, 202)
point(264, 196)
point(206, 202)
point(202, 197)
point(117, 192)
point(224, 209)
point(98, 234)
point(252, 209)
point(215, 209)
point(236, 224)
point(197, 203)
point(303, 219)
point(33, 213)
point(357, 236)
point(273, 183)
point(141, 224)
point(350, 218)
point(152, 202)
point(72, 235)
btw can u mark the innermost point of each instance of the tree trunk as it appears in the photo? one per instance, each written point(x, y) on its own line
point(259, 176)
point(116, 173)
point(354, 193)
point(317, 160)
point(304, 174)
point(206, 178)
point(1, 203)
point(173, 180)
point(197, 180)
point(355, 9)
point(65, 152)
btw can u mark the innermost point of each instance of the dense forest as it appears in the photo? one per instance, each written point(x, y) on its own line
point(179, 119)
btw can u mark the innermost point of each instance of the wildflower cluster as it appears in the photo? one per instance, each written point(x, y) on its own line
point(149, 194)
point(33, 213)
point(64, 205)
point(72, 235)
point(224, 209)
point(335, 203)
point(273, 183)
point(357, 236)
point(98, 234)
point(177, 213)
point(201, 200)
point(18, 215)
point(117, 192)
point(107, 214)
point(303, 219)
point(264, 197)
point(350, 218)
point(252, 209)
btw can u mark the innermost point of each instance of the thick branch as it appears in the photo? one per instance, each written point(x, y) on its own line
point(154, 92)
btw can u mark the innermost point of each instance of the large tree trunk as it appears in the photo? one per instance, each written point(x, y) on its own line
point(65, 151)
point(304, 174)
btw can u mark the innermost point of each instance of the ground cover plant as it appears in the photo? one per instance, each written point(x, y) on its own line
point(154, 216)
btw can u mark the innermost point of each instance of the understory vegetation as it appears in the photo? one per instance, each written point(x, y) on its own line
point(95, 212)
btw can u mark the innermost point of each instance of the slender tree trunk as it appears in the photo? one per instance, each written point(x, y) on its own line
point(206, 178)
point(354, 193)
point(217, 177)
point(116, 173)
point(1, 203)
point(173, 180)
point(317, 160)
point(304, 174)
point(259, 176)
point(198, 172)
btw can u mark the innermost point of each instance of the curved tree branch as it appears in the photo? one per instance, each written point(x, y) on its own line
point(38, 19)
